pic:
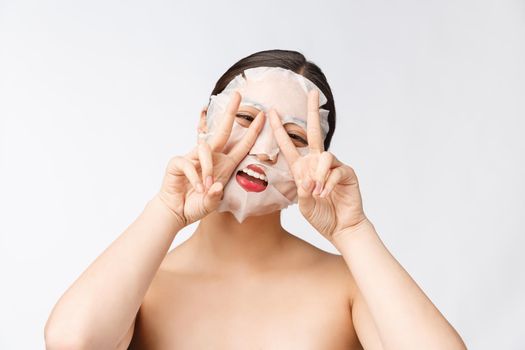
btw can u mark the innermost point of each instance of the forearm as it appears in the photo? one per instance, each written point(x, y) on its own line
point(101, 304)
point(404, 315)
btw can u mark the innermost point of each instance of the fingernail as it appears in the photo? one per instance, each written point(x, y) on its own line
point(209, 181)
point(324, 193)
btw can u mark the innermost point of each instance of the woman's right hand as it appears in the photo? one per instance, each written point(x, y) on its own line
point(193, 184)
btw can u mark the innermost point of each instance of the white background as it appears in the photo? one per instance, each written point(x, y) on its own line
point(95, 97)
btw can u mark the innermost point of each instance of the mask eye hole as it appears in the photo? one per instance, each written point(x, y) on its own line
point(244, 119)
point(245, 115)
point(297, 134)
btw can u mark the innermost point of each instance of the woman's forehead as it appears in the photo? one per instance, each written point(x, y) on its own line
point(285, 95)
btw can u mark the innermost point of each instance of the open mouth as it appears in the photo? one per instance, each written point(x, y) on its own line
point(252, 178)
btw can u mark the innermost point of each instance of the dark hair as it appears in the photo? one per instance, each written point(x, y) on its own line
point(292, 60)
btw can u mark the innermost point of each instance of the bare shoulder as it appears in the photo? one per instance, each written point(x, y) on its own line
point(326, 266)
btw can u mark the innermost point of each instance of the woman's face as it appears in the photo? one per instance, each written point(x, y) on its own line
point(263, 182)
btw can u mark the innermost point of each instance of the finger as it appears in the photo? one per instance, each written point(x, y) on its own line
point(304, 194)
point(193, 155)
point(241, 149)
point(179, 166)
point(212, 199)
point(283, 140)
point(325, 163)
point(221, 136)
point(341, 175)
point(313, 126)
point(201, 137)
point(307, 185)
point(206, 163)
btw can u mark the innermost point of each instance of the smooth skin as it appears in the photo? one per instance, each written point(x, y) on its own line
point(251, 285)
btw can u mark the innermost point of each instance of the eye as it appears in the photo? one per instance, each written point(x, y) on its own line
point(297, 134)
point(298, 140)
point(244, 119)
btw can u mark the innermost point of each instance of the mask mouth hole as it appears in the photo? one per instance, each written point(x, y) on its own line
point(251, 180)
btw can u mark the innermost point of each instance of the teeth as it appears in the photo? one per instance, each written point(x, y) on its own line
point(254, 174)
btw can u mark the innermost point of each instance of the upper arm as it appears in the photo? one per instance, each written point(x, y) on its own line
point(362, 320)
point(126, 339)
point(364, 323)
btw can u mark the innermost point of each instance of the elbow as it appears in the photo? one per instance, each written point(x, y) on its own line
point(63, 338)
point(66, 337)
point(59, 341)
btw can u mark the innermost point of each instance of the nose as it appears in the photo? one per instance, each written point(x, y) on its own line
point(265, 147)
point(266, 159)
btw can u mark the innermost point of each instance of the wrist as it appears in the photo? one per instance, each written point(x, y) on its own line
point(158, 205)
point(364, 227)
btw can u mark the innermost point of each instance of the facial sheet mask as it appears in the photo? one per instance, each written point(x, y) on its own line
point(263, 88)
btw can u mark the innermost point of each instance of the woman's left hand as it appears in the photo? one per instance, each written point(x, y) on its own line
point(328, 190)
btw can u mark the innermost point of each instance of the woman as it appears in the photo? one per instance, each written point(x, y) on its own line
point(241, 281)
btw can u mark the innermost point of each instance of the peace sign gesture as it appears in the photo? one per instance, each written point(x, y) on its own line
point(328, 190)
point(193, 184)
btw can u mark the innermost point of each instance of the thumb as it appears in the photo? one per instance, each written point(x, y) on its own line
point(213, 197)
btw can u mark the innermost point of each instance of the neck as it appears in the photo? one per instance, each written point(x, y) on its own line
point(225, 243)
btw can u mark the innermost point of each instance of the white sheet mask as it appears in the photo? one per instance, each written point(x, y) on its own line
point(264, 88)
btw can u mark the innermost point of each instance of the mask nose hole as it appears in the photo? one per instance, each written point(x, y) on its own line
point(266, 158)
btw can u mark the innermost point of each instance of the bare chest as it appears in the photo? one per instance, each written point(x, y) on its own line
point(285, 312)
